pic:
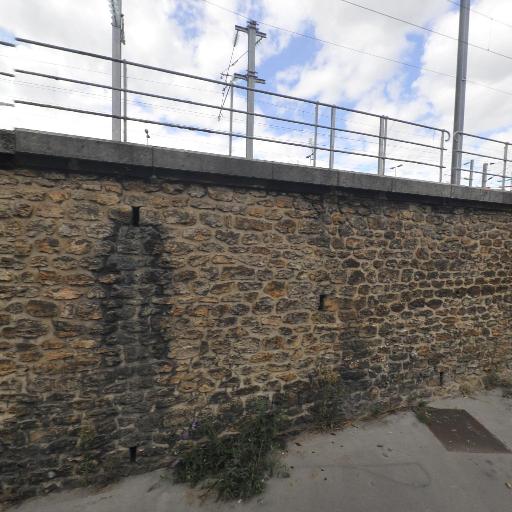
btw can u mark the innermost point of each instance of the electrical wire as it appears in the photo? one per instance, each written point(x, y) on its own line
point(482, 14)
point(361, 52)
point(225, 74)
point(339, 45)
point(432, 31)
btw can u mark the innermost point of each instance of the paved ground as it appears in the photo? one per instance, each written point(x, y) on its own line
point(390, 465)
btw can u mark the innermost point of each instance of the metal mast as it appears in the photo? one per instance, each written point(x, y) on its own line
point(460, 90)
point(117, 41)
point(251, 29)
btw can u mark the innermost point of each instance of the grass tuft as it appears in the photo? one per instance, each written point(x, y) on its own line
point(422, 413)
point(328, 410)
point(236, 465)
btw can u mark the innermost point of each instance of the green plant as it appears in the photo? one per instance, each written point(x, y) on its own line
point(235, 465)
point(422, 412)
point(376, 410)
point(328, 409)
point(502, 380)
point(491, 380)
point(87, 465)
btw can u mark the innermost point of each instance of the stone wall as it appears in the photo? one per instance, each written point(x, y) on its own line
point(129, 306)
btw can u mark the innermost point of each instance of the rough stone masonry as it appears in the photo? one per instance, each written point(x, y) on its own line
point(135, 296)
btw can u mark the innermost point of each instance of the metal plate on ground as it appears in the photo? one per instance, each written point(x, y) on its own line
point(460, 432)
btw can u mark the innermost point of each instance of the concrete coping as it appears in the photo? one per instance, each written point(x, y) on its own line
point(26, 146)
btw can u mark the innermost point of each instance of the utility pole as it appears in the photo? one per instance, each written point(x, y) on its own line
point(117, 42)
point(251, 77)
point(460, 90)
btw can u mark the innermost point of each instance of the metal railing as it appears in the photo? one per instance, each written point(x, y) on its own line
point(485, 160)
point(333, 129)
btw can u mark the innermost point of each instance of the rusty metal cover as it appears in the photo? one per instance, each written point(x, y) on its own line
point(460, 432)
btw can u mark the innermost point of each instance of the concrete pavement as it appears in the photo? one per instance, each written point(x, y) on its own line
point(392, 464)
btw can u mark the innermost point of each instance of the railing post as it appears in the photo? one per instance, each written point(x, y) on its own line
point(441, 160)
point(383, 133)
point(125, 102)
point(331, 142)
point(471, 172)
point(484, 175)
point(231, 118)
point(315, 136)
point(505, 159)
point(456, 160)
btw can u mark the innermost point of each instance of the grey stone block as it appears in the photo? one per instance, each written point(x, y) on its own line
point(364, 181)
point(50, 144)
point(305, 175)
point(421, 188)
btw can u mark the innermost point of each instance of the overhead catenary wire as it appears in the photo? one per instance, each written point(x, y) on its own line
point(225, 74)
point(325, 41)
point(480, 13)
point(225, 90)
point(360, 51)
point(427, 29)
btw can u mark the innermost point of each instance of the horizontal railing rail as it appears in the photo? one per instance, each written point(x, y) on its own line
point(502, 159)
point(383, 137)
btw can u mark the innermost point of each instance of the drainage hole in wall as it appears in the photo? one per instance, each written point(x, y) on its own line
point(441, 378)
point(135, 215)
point(133, 453)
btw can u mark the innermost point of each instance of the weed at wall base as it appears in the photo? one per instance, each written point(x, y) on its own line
point(237, 465)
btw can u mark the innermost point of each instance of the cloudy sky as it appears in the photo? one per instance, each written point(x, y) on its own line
point(323, 50)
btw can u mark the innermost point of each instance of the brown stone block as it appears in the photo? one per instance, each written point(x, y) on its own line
point(82, 360)
point(79, 279)
point(198, 235)
point(287, 376)
point(248, 224)
point(121, 213)
point(58, 355)
point(22, 209)
point(41, 308)
point(83, 344)
point(179, 216)
point(65, 329)
point(48, 245)
point(51, 211)
point(7, 367)
point(107, 199)
point(64, 294)
point(57, 196)
point(187, 387)
point(237, 272)
point(5, 210)
point(275, 289)
point(79, 246)
point(25, 328)
point(261, 357)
